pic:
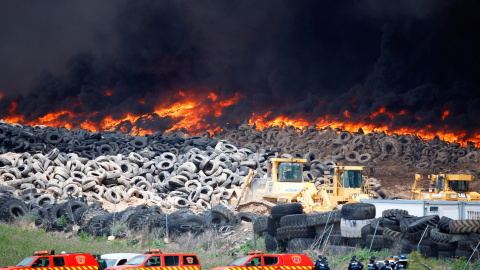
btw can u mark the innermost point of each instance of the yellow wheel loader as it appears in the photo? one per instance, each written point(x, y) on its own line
point(284, 183)
point(445, 187)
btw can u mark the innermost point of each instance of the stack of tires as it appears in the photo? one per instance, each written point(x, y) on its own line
point(354, 217)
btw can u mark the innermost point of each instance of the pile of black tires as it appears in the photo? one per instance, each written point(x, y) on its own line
point(94, 220)
point(355, 225)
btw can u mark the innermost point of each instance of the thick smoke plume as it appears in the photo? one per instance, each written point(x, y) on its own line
point(415, 59)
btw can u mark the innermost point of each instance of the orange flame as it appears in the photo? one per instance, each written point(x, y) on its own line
point(445, 114)
point(1, 95)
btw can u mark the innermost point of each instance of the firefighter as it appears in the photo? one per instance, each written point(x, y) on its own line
point(373, 264)
point(355, 264)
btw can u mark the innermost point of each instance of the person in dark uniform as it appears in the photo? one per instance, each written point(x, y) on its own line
point(318, 262)
point(372, 265)
point(398, 265)
point(102, 264)
point(355, 264)
point(387, 265)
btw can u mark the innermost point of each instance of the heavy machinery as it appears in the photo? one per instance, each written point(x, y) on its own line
point(445, 187)
point(284, 183)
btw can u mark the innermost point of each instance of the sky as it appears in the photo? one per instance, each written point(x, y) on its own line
point(417, 59)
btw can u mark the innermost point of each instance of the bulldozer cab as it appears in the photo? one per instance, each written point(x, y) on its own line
point(289, 172)
point(351, 178)
point(451, 187)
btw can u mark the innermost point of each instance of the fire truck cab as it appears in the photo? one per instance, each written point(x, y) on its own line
point(43, 260)
point(154, 259)
point(256, 260)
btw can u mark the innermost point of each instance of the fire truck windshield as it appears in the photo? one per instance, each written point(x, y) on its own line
point(26, 262)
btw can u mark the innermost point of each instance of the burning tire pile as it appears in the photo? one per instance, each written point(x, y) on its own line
point(355, 226)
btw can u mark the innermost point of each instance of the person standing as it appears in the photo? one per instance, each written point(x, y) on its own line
point(317, 262)
point(398, 265)
point(355, 264)
point(372, 265)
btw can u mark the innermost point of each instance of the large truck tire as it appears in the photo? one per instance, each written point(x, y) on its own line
point(421, 224)
point(12, 209)
point(393, 213)
point(440, 237)
point(464, 226)
point(287, 233)
point(324, 217)
point(337, 240)
point(297, 245)
point(294, 220)
point(353, 228)
point(392, 235)
point(272, 226)
point(358, 211)
point(281, 210)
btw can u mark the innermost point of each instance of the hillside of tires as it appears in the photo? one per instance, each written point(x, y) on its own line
point(75, 178)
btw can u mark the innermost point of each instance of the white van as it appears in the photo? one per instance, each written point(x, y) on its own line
point(114, 259)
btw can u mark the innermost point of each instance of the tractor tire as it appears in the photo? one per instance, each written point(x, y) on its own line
point(224, 211)
point(393, 213)
point(324, 218)
point(271, 244)
point(272, 226)
point(298, 245)
point(464, 226)
point(293, 220)
point(287, 233)
point(443, 224)
point(337, 240)
point(12, 209)
point(378, 241)
point(280, 210)
point(439, 237)
point(392, 235)
point(422, 223)
point(358, 211)
point(260, 225)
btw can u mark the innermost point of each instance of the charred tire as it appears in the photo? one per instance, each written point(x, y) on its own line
point(281, 210)
point(358, 211)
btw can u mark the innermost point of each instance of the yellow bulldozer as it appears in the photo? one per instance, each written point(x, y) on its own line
point(284, 183)
point(445, 187)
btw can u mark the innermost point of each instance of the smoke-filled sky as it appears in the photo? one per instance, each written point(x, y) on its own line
point(415, 58)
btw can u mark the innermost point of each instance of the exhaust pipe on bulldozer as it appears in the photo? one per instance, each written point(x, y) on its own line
point(269, 169)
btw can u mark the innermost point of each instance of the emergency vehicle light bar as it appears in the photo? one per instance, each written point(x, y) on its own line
point(254, 252)
point(43, 252)
point(153, 251)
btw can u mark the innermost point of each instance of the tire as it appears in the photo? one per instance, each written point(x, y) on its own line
point(281, 210)
point(466, 245)
point(404, 223)
point(293, 220)
point(260, 225)
point(393, 212)
point(272, 226)
point(337, 240)
point(12, 209)
point(443, 224)
point(322, 218)
point(464, 226)
point(356, 242)
point(270, 243)
point(392, 235)
point(297, 245)
point(287, 233)
point(353, 228)
point(446, 254)
point(426, 250)
point(439, 237)
point(246, 216)
point(358, 211)
point(459, 253)
point(224, 211)
point(378, 241)
point(422, 223)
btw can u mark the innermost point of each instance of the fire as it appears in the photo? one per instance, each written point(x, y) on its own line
point(198, 111)
point(445, 114)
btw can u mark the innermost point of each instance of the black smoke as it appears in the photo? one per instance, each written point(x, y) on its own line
point(294, 58)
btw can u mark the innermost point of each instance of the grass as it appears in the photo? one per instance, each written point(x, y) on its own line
point(22, 239)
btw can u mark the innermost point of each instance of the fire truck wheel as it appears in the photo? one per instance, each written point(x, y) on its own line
point(358, 211)
point(281, 210)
